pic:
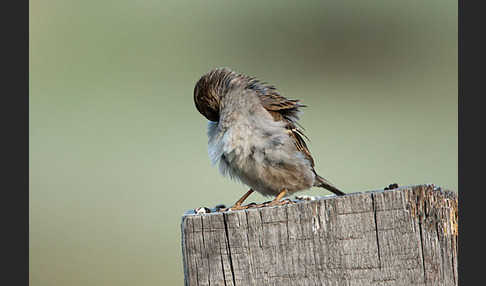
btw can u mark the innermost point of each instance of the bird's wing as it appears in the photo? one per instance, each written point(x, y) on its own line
point(287, 110)
point(283, 109)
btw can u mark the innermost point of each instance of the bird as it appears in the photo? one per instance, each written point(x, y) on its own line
point(254, 136)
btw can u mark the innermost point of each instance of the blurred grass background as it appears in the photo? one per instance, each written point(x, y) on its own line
point(118, 151)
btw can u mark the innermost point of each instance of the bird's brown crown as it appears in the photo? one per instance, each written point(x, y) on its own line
point(213, 85)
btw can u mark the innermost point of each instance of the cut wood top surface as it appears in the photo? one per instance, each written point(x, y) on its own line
point(306, 199)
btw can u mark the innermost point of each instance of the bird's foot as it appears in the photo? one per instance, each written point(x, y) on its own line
point(278, 203)
point(275, 202)
point(239, 204)
point(238, 207)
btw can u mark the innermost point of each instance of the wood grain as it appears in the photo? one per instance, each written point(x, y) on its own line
point(405, 236)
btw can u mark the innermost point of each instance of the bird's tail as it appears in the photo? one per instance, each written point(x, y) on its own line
point(323, 183)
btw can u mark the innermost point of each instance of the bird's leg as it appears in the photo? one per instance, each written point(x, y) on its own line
point(237, 205)
point(276, 201)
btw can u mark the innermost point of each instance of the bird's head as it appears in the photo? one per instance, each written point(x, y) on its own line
point(207, 99)
point(211, 88)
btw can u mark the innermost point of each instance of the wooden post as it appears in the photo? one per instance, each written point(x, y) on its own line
point(404, 236)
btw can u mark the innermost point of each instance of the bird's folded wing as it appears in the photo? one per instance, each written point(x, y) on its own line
point(287, 110)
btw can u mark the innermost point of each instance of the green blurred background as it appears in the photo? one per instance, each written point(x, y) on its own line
point(118, 151)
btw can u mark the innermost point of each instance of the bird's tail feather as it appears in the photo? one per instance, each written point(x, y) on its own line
point(323, 183)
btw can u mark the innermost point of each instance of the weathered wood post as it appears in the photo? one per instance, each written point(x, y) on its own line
point(405, 236)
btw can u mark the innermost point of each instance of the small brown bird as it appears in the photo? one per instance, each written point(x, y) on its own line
point(254, 135)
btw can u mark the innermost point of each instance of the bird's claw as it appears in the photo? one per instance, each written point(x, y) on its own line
point(279, 203)
point(255, 205)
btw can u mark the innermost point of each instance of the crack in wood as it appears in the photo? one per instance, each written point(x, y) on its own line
point(222, 267)
point(376, 228)
point(228, 247)
point(420, 198)
point(422, 251)
point(437, 227)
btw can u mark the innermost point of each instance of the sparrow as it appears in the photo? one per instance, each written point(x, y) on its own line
point(254, 136)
